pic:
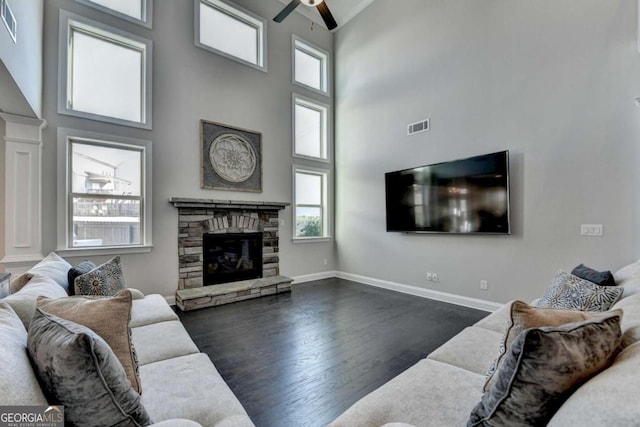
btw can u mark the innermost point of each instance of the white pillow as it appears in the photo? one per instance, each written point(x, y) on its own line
point(629, 278)
point(55, 268)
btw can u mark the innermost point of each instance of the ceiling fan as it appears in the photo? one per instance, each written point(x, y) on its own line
point(322, 7)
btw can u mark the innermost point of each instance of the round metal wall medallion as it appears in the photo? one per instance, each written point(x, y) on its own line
point(232, 157)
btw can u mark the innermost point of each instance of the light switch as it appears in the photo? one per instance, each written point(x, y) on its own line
point(591, 230)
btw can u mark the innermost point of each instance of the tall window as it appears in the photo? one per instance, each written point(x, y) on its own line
point(106, 74)
point(105, 189)
point(310, 66)
point(310, 210)
point(138, 11)
point(310, 128)
point(231, 31)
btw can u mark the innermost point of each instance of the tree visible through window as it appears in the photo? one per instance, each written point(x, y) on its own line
point(310, 203)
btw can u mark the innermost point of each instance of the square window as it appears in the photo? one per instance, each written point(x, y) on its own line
point(310, 210)
point(310, 66)
point(311, 128)
point(230, 31)
point(107, 73)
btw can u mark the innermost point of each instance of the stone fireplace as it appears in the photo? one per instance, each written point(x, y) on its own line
point(216, 237)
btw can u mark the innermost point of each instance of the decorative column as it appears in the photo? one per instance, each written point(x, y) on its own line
point(23, 192)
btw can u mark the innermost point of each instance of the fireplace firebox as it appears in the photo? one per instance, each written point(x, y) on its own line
point(231, 257)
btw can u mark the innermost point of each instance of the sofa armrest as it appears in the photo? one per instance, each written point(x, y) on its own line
point(176, 422)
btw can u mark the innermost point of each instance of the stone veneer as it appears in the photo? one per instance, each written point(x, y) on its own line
point(199, 216)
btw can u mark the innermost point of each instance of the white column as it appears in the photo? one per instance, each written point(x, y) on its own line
point(23, 192)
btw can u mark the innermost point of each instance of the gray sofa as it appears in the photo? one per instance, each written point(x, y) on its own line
point(442, 389)
point(180, 385)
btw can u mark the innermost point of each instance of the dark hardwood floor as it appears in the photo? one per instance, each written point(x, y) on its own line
point(301, 359)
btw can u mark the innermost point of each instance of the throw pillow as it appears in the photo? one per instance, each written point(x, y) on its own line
point(628, 277)
point(84, 267)
point(104, 280)
point(24, 302)
point(542, 368)
point(19, 282)
point(107, 317)
point(523, 316)
point(78, 370)
point(602, 278)
point(573, 293)
point(55, 268)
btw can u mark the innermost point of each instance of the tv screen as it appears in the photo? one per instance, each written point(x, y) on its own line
point(461, 196)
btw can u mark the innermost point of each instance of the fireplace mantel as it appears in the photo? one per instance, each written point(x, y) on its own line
point(183, 202)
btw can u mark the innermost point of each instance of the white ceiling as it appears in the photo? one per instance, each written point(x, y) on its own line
point(342, 10)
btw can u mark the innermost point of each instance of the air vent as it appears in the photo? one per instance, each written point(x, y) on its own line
point(9, 19)
point(418, 127)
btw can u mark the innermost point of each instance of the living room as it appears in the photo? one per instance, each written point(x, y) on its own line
point(554, 83)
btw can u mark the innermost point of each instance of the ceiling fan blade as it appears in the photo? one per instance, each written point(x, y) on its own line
point(287, 10)
point(327, 17)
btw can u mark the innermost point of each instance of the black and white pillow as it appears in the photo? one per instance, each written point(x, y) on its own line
point(570, 292)
point(104, 280)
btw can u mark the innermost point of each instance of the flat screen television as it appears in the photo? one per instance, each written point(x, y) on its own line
point(461, 196)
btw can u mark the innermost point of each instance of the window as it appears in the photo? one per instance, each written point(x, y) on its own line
point(105, 196)
point(310, 66)
point(9, 19)
point(310, 129)
point(138, 11)
point(230, 31)
point(310, 210)
point(105, 73)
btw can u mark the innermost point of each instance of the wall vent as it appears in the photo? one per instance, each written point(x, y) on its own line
point(9, 19)
point(418, 127)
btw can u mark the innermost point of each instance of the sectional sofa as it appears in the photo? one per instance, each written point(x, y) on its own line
point(180, 385)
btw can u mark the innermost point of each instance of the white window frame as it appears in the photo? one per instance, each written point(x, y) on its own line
point(147, 12)
point(297, 43)
point(243, 15)
point(326, 207)
point(70, 22)
point(64, 209)
point(325, 131)
point(9, 19)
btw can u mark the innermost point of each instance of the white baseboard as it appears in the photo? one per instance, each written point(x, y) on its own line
point(421, 292)
point(314, 276)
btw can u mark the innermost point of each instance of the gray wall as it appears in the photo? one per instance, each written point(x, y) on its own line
point(190, 84)
point(553, 82)
point(22, 60)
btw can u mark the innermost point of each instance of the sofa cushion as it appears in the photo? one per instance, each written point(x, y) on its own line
point(496, 321)
point(522, 316)
point(608, 399)
point(85, 266)
point(429, 394)
point(602, 278)
point(628, 278)
point(24, 302)
point(160, 341)
point(79, 370)
point(541, 369)
point(151, 309)
point(19, 385)
point(573, 293)
point(107, 317)
point(472, 349)
point(193, 390)
point(104, 280)
point(55, 268)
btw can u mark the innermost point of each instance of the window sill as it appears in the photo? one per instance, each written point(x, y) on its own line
point(311, 239)
point(110, 250)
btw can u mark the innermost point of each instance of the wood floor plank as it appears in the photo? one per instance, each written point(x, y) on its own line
point(301, 359)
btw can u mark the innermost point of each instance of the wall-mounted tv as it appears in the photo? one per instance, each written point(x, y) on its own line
point(461, 196)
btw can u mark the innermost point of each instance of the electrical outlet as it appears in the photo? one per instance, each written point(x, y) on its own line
point(430, 277)
point(435, 277)
point(325, 261)
point(484, 285)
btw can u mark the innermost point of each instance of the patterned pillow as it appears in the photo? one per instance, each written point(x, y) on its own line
point(78, 370)
point(104, 280)
point(543, 367)
point(573, 293)
point(523, 316)
point(84, 267)
point(107, 317)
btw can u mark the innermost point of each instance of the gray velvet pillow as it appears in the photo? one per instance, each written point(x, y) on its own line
point(570, 292)
point(79, 370)
point(104, 280)
point(541, 369)
point(85, 266)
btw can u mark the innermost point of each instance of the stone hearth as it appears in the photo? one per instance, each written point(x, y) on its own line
point(200, 216)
